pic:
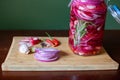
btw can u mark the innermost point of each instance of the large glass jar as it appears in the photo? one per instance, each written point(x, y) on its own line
point(87, 20)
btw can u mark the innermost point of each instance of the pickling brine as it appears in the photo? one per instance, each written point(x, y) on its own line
point(87, 20)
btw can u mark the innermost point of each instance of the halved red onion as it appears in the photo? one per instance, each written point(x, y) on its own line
point(46, 54)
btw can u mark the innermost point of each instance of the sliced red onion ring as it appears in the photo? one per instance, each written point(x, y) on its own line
point(46, 54)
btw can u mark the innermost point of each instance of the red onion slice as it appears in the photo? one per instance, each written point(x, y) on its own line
point(46, 54)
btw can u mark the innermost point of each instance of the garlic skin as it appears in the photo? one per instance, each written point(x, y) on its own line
point(24, 48)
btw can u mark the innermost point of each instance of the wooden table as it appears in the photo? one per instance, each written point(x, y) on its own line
point(111, 43)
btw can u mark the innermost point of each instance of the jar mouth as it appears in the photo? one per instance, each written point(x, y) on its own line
point(94, 2)
point(91, 0)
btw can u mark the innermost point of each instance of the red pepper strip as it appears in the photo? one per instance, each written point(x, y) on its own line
point(49, 41)
point(34, 42)
point(56, 42)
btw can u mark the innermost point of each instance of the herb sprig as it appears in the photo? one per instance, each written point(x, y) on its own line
point(80, 31)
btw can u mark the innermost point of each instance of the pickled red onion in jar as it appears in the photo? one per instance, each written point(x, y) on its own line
point(87, 20)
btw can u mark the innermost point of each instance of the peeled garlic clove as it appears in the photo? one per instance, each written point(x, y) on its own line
point(23, 48)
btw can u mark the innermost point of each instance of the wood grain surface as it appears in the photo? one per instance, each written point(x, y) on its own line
point(67, 61)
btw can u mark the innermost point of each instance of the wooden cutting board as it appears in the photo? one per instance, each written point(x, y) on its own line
point(16, 61)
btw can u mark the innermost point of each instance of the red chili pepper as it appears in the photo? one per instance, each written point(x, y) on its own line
point(54, 41)
point(49, 41)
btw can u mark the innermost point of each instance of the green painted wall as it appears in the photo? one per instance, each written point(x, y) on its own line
point(39, 14)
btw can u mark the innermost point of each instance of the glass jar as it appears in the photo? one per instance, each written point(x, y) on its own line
point(87, 20)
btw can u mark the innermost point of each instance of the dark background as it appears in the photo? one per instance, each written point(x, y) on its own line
point(40, 15)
